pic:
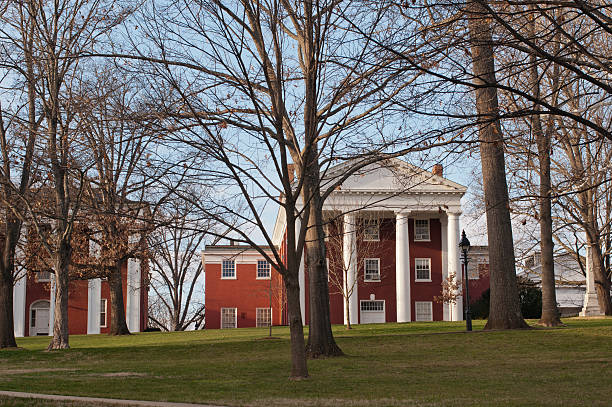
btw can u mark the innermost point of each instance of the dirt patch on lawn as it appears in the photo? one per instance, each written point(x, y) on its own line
point(120, 374)
point(7, 372)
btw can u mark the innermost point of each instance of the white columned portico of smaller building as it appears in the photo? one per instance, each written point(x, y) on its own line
point(402, 267)
point(454, 262)
point(301, 273)
point(349, 254)
point(52, 303)
point(19, 305)
point(590, 305)
point(446, 313)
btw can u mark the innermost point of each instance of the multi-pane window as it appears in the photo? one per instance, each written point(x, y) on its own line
point(33, 318)
point(103, 313)
point(423, 310)
point(263, 317)
point(423, 269)
point(421, 230)
point(372, 269)
point(371, 230)
point(263, 269)
point(228, 269)
point(43, 276)
point(373, 305)
point(228, 318)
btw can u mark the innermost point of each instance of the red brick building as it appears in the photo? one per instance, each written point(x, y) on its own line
point(88, 303)
point(392, 238)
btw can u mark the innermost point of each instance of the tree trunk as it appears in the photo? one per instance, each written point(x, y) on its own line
point(60, 314)
point(299, 368)
point(550, 312)
point(118, 326)
point(602, 282)
point(321, 340)
point(7, 333)
point(505, 311)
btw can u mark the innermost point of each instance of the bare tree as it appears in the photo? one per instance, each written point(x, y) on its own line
point(176, 271)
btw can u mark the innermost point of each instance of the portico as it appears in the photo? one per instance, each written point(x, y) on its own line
point(421, 211)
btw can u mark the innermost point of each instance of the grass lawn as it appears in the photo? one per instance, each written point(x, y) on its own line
point(416, 364)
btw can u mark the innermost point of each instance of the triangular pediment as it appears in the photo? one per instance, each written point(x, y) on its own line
point(391, 176)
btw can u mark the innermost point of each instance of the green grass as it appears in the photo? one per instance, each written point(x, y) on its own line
point(417, 364)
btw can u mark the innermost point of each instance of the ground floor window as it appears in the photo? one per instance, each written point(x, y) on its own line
point(373, 305)
point(263, 317)
point(423, 310)
point(103, 313)
point(228, 318)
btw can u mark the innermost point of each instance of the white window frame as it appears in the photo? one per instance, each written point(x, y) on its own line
point(365, 268)
point(366, 223)
point(223, 262)
point(416, 313)
point(45, 279)
point(235, 317)
point(257, 277)
point(416, 269)
point(257, 310)
point(361, 302)
point(104, 311)
point(420, 237)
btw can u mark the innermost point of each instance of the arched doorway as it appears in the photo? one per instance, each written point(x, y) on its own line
point(39, 318)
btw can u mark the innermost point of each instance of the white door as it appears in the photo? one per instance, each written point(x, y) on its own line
point(39, 318)
point(372, 312)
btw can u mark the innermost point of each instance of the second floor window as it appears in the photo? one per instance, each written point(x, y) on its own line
point(372, 269)
point(421, 230)
point(371, 230)
point(228, 269)
point(263, 269)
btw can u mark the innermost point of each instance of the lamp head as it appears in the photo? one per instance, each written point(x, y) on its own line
point(464, 243)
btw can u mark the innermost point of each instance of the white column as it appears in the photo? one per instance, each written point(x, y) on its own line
point(51, 303)
point(132, 307)
point(94, 296)
point(454, 262)
point(301, 273)
point(19, 305)
point(444, 229)
point(349, 254)
point(402, 268)
point(590, 305)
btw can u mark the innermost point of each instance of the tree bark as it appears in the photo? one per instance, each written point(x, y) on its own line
point(118, 326)
point(550, 312)
point(60, 314)
point(505, 311)
point(7, 333)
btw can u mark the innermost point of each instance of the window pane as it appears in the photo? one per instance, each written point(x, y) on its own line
point(421, 229)
point(263, 317)
point(228, 269)
point(228, 318)
point(263, 269)
point(370, 229)
point(423, 310)
point(422, 267)
point(372, 269)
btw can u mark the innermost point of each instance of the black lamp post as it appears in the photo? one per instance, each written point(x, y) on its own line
point(464, 245)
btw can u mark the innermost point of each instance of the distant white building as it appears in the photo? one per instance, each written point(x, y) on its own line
point(570, 280)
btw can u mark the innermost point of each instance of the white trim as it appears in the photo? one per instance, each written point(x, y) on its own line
point(105, 313)
point(416, 311)
point(34, 306)
point(257, 270)
point(365, 279)
point(19, 305)
point(235, 317)
point(132, 305)
point(256, 320)
point(422, 280)
point(428, 230)
point(234, 264)
point(94, 295)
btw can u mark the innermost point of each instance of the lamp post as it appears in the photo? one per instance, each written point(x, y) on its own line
point(464, 245)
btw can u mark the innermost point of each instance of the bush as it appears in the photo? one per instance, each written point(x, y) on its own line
point(530, 297)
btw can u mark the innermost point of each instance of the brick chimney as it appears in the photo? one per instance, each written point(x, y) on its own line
point(437, 170)
point(291, 171)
